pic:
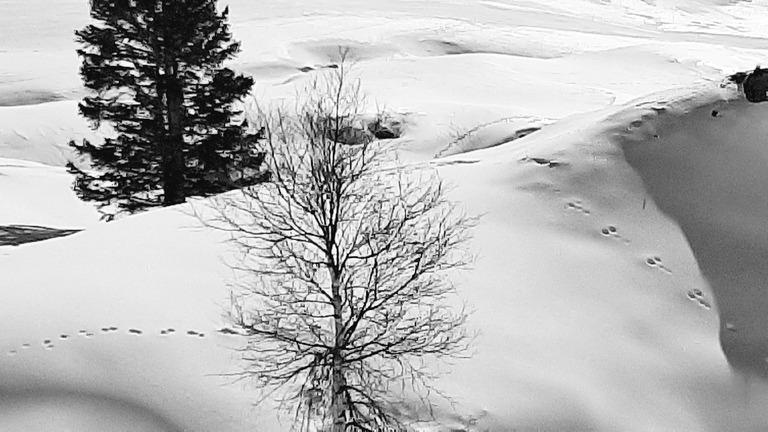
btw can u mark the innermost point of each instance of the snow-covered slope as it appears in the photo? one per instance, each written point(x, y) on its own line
point(592, 310)
point(91, 308)
point(706, 164)
point(601, 236)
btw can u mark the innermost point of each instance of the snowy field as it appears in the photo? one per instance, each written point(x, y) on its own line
point(622, 259)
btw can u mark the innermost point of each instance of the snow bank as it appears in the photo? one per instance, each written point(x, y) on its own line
point(705, 161)
point(585, 294)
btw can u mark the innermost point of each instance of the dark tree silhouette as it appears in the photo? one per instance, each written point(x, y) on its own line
point(155, 67)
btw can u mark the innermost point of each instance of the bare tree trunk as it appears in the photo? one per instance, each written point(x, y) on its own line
point(171, 92)
point(338, 403)
point(337, 368)
point(173, 147)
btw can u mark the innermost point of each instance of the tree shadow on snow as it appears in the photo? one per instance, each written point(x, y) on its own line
point(14, 235)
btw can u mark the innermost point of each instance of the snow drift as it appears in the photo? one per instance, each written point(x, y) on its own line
point(704, 160)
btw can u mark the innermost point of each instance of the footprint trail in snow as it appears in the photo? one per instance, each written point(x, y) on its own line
point(49, 345)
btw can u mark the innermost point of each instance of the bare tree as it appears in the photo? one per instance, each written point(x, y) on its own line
point(344, 260)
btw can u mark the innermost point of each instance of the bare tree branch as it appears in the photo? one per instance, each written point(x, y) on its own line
point(344, 257)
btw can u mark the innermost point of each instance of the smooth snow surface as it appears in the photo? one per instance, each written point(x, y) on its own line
point(622, 255)
point(37, 194)
point(42, 132)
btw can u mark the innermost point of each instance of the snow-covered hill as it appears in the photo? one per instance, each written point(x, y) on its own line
point(705, 165)
point(619, 243)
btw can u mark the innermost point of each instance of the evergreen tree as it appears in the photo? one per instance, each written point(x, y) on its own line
point(155, 67)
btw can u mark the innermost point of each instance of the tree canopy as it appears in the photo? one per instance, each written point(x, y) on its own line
point(156, 71)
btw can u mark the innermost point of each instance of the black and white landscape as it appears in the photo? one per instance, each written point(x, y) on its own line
point(618, 177)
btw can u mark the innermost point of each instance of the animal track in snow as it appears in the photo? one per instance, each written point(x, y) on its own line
point(655, 261)
point(577, 206)
point(612, 231)
point(49, 345)
point(697, 296)
point(229, 331)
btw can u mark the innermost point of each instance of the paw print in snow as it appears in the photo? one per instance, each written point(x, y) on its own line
point(577, 206)
point(49, 345)
point(613, 232)
point(655, 261)
point(697, 296)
